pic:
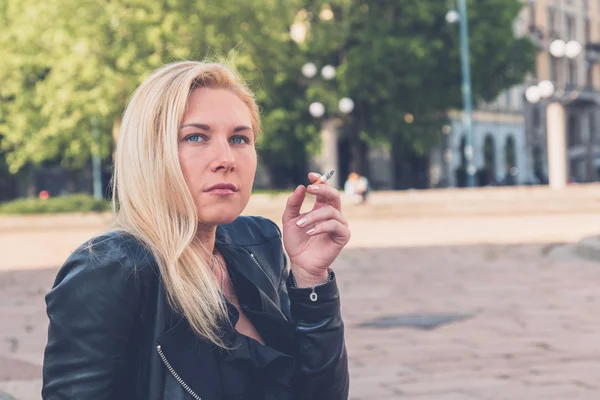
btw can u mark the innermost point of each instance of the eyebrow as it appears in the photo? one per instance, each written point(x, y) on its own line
point(205, 127)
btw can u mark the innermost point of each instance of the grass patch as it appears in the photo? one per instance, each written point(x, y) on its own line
point(60, 204)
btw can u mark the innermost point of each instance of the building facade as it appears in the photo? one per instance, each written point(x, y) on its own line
point(499, 143)
point(510, 134)
point(576, 81)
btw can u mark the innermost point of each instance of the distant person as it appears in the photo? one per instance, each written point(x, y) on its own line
point(357, 188)
point(186, 299)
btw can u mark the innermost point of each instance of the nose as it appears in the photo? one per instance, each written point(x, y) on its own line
point(223, 157)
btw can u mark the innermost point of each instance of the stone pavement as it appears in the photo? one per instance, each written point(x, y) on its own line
point(533, 334)
point(533, 323)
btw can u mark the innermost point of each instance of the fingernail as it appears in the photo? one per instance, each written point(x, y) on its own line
point(310, 231)
point(301, 221)
point(314, 187)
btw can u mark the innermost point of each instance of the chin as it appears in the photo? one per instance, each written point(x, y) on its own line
point(219, 215)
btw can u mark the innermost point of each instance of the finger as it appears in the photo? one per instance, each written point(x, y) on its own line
point(320, 215)
point(339, 232)
point(326, 194)
point(293, 204)
point(313, 177)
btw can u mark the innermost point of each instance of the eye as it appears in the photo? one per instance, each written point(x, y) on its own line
point(244, 139)
point(194, 138)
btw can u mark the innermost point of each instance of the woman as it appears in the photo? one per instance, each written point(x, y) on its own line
point(186, 299)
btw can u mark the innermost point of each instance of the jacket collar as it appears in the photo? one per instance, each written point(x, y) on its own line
point(194, 360)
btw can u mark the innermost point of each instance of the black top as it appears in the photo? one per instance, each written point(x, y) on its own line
point(266, 370)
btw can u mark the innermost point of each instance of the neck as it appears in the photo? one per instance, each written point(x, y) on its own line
point(206, 235)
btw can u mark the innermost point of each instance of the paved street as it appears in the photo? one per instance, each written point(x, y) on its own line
point(533, 333)
point(531, 324)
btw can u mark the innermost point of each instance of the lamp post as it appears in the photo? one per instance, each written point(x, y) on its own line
point(329, 157)
point(556, 134)
point(460, 16)
point(96, 161)
point(317, 109)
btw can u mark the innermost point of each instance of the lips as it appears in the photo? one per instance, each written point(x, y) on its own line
point(222, 187)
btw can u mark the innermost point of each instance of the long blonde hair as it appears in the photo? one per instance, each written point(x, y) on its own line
point(150, 197)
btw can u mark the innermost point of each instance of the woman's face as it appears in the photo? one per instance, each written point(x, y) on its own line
point(217, 154)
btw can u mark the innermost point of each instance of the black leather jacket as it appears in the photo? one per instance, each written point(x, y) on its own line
point(112, 334)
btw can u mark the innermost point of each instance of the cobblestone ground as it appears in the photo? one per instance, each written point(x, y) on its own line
point(533, 321)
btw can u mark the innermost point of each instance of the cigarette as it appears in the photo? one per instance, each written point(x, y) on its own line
point(324, 178)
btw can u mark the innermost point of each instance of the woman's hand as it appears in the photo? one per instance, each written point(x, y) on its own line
point(313, 240)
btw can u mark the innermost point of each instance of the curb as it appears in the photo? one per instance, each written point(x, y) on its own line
point(588, 248)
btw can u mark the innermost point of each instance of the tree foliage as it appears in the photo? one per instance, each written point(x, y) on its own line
point(69, 67)
point(403, 57)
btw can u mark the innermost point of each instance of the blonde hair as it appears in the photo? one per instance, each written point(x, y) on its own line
point(150, 197)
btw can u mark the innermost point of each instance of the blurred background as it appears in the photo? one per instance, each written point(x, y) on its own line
point(465, 135)
point(369, 87)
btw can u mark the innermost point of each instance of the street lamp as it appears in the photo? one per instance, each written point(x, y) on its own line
point(543, 90)
point(555, 113)
point(452, 17)
point(346, 105)
point(298, 32)
point(571, 49)
point(96, 161)
point(328, 159)
point(309, 70)
point(317, 109)
point(558, 49)
point(328, 72)
point(460, 16)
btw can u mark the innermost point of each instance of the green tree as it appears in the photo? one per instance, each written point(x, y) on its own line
point(68, 65)
point(402, 57)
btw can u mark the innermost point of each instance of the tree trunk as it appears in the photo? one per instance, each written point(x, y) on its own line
point(359, 155)
point(31, 185)
point(286, 177)
point(410, 169)
point(71, 181)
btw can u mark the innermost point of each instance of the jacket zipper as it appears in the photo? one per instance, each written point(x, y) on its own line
point(260, 266)
point(175, 374)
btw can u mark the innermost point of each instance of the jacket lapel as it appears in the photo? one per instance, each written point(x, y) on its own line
point(240, 263)
point(191, 361)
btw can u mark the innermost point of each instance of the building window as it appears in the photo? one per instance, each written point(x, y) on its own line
point(551, 20)
point(588, 32)
point(538, 166)
point(531, 13)
point(489, 157)
point(572, 78)
point(535, 116)
point(509, 153)
point(573, 134)
point(553, 69)
point(570, 27)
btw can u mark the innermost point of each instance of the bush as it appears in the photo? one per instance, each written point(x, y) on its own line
point(59, 204)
